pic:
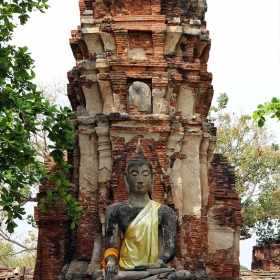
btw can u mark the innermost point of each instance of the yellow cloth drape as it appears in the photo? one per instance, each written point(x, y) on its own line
point(140, 244)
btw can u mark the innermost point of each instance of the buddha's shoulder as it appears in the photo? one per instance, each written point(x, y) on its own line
point(164, 209)
point(117, 206)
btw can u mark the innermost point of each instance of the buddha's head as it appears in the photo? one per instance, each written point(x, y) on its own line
point(139, 176)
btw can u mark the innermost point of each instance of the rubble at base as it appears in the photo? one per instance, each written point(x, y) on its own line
point(20, 273)
point(259, 274)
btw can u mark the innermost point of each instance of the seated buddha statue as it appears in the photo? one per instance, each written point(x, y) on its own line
point(139, 218)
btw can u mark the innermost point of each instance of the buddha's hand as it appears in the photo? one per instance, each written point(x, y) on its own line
point(111, 269)
point(158, 264)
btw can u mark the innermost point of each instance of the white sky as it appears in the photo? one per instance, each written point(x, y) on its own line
point(244, 60)
point(244, 56)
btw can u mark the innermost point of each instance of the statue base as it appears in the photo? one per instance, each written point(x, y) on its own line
point(153, 274)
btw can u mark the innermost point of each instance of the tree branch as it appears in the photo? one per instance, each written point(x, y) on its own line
point(9, 239)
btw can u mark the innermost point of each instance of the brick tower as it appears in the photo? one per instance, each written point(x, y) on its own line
point(141, 72)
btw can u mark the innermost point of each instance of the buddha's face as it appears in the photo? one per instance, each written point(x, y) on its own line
point(139, 179)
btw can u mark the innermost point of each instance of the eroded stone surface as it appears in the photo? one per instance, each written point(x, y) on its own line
point(140, 96)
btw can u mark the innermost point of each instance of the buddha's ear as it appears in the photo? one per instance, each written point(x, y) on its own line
point(127, 189)
point(152, 183)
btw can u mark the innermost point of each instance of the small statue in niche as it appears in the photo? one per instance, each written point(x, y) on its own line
point(140, 96)
point(139, 218)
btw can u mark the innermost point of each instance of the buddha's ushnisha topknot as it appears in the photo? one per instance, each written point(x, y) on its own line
point(138, 155)
point(139, 158)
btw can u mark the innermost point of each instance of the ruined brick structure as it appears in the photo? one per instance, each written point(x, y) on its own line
point(266, 257)
point(141, 72)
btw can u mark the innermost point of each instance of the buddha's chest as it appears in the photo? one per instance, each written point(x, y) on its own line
point(126, 214)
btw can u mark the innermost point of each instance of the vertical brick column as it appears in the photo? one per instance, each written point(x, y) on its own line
point(54, 234)
point(89, 223)
point(224, 220)
point(190, 229)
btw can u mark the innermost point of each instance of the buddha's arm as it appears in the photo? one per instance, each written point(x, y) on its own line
point(111, 227)
point(111, 239)
point(169, 225)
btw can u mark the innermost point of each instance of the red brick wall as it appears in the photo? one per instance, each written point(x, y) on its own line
point(141, 40)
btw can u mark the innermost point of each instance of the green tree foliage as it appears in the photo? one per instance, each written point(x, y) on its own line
point(257, 165)
point(55, 94)
point(271, 108)
point(18, 249)
point(6, 251)
point(20, 107)
point(242, 267)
